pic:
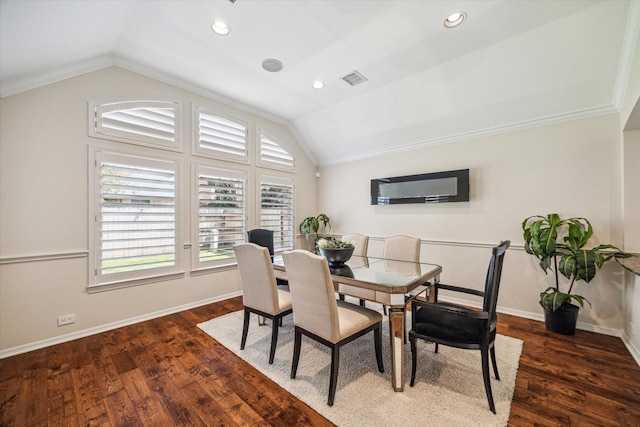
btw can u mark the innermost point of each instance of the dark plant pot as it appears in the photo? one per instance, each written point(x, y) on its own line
point(563, 320)
point(335, 256)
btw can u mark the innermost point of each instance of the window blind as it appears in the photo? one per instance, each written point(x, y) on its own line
point(221, 215)
point(221, 136)
point(273, 154)
point(276, 211)
point(148, 122)
point(136, 218)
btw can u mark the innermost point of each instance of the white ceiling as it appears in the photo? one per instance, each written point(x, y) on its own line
point(511, 64)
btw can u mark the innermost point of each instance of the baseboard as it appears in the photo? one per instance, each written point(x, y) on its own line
point(632, 348)
point(540, 317)
point(12, 351)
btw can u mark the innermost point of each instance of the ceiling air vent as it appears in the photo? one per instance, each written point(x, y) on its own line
point(354, 78)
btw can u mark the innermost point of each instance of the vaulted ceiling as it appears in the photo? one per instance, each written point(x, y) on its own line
point(510, 64)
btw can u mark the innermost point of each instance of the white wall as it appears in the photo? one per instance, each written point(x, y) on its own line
point(572, 169)
point(632, 191)
point(44, 147)
point(631, 296)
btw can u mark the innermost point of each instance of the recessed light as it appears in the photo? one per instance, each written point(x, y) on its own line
point(455, 19)
point(220, 28)
point(272, 65)
point(317, 84)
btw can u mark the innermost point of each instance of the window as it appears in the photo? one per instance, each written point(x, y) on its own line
point(221, 215)
point(220, 136)
point(272, 154)
point(276, 210)
point(151, 123)
point(134, 218)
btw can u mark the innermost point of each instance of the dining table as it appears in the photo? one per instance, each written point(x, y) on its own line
point(389, 282)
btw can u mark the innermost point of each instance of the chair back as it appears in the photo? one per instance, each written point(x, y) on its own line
point(402, 248)
point(259, 290)
point(360, 241)
point(492, 282)
point(262, 237)
point(312, 294)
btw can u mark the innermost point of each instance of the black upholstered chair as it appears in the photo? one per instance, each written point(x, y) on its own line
point(263, 237)
point(458, 326)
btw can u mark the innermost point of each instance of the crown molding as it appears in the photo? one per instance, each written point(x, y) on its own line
point(24, 83)
point(33, 81)
point(179, 83)
point(137, 68)
point(497, 130)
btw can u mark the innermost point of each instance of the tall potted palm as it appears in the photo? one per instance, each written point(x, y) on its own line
point(551, 239)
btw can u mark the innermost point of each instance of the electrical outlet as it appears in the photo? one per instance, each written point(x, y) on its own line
point(66, 320)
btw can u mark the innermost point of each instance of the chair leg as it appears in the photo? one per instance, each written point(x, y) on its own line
point(362, 303)
point(384, 310)
point(333, 380)
point(487, 380)
point(377, 342)
point(493, 361)
point(274, 338)
point(414, 360)
point(341, 297)
point(436, 350)
point(297, 340)
point(245, 329)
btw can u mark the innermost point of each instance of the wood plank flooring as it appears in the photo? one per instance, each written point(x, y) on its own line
point(167, 372)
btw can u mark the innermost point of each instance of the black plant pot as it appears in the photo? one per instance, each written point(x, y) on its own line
point(563, 320)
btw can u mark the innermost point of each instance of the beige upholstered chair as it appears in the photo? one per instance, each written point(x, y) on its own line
point(402, 248)
point(360, 241)
point(318, 315)
point(260, 294)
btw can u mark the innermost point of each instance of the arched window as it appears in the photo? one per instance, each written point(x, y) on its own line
point(143, 122)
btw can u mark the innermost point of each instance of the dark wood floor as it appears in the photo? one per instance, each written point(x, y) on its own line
point(167, 372)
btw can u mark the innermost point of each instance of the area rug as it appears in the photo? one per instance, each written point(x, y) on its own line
point(448, 391)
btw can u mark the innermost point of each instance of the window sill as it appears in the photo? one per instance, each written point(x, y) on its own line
point(213, 269)
point(92, 289)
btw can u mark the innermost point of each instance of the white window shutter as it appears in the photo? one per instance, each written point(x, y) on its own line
point(152, 123)
point(276, 210)
point(221, 215)
point(221, 137)
point(272, 154)
point(136, 218)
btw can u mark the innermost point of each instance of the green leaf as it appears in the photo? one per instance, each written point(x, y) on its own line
point(585, 265)
point(567, 265)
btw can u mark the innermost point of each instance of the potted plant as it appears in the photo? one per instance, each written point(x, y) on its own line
point(549, 238)
point(311, 226)
point(336, 251)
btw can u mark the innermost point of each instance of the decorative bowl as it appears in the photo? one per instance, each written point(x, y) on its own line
point(336, 256)
point(341, 270)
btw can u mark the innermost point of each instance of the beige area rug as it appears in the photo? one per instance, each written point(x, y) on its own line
point(448, 391)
